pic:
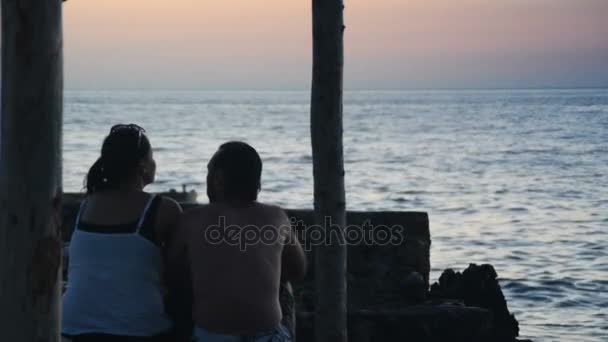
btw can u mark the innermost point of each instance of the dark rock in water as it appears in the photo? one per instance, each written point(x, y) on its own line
point(477, 286)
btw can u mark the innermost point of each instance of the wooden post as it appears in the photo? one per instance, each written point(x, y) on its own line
point(328, 166)
point(30, 171)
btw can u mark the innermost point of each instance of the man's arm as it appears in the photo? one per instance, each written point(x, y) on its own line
point(294, 262)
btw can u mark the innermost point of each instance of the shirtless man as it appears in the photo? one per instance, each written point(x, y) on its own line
point(239, 250)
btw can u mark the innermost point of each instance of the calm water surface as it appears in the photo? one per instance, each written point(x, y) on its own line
point(517, 179)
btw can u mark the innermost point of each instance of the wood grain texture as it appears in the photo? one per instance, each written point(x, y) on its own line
point(30, 170)
point(328, 167)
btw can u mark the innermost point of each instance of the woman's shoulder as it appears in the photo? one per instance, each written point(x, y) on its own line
point(168, 214)
point(168, 205)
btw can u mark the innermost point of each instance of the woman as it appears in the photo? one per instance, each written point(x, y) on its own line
point(115, 275)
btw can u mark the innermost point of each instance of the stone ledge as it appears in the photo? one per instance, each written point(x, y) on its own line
point(420, 323)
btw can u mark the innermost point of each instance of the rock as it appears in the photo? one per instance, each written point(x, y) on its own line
point(478, 286)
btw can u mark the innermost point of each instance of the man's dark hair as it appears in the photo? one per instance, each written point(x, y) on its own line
point(241, 166)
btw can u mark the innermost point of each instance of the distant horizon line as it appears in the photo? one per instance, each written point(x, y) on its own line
point(346, 90)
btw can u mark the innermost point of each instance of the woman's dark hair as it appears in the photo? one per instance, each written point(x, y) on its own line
point(122, 150)
point(241, 166)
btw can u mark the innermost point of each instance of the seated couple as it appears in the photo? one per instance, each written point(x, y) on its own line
point(136, 261)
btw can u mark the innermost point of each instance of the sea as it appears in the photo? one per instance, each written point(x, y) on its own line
point(514, 178)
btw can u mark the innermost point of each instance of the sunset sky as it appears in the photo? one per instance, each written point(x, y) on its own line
point(390, 44)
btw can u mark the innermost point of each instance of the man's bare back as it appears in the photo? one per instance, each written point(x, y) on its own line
point(235, 255)
point(238, 251)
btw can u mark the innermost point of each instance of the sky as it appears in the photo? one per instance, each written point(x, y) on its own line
point(389, 44)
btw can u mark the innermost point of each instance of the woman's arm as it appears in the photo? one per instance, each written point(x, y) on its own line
point(178, 300)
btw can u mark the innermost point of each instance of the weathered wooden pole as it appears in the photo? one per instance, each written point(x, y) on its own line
point(30, 170)
point(328, 168)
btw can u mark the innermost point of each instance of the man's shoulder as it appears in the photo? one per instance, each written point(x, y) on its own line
point(275, 214)
point(272, 209)
point(196, 214)
point(211, 211)
point(268, 206)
